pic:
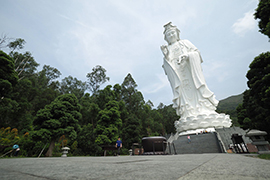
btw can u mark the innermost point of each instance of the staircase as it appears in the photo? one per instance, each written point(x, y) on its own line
point(201, 143)
point(226, 135)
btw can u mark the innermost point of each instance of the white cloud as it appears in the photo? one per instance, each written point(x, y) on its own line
point(245, 24)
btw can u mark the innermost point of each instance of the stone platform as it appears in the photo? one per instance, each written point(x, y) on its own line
point(186, 166)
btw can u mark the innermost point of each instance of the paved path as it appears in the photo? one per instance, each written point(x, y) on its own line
point(185, 166)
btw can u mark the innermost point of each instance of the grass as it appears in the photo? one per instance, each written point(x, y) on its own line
point(264, 156)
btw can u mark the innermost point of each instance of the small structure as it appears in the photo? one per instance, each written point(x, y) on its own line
point(65, 151)
point(239, 144)
point(258, 139)
point(106, 148)
point(137, 151)
point(155, 145)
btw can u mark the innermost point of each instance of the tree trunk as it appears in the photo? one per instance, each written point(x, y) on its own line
point(50, 150)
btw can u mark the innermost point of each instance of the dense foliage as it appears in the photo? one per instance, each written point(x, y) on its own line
point(254, 112)
point(39, 111)
point(263, 14)
point(61, 117)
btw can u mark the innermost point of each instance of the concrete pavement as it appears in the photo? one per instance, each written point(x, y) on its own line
point(184, 166)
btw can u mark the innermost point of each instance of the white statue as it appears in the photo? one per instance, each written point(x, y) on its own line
point(192, 99)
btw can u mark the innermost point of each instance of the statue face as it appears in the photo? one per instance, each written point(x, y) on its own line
point(171, 36)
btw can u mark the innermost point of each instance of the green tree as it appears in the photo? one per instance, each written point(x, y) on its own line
point(25, 64)
point(8, 79)
point(169, 116)
point(17, 44)
point(254, 112)
point(61, 117)
point(263, 14)
point(131, 96)
point(86, 141)
point(8, 75)
point(96, 78)
point(131, 131)
point(108, 125)
point(89, 111)
point(72, 86)
point(259, 79)
point(47, 86)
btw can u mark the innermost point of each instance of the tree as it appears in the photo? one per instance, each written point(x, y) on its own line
point(131, 96)
point(131, 131)
point(96, 78)
point(259, 79)
point(8, 79)
point(25, 64)
point(254, 112)
point(8, 75)
point(61, 117)
point(107, 129)
point(46, 86)
point(263, 14)
point(86, 140)
point(17, 44)
point(73, 86)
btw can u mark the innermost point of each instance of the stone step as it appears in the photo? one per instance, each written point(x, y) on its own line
point(201, 143)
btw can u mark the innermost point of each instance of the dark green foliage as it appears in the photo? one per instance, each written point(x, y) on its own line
point(169, 116)
point(131, 131)
point(259, 79)
point(108, 124)
point(61, 117)
point(131, 96)
point(254, 113)
point(89, 110)
point(8, 79)
point(96, 78)
point(86, 141)
point(25, 64)
point(73, 86)
point(8, 75)
point(263, 14)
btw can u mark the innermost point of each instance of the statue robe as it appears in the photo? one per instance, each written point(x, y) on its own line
point(191, 96)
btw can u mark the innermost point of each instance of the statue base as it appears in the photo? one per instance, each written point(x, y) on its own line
point(203, 121)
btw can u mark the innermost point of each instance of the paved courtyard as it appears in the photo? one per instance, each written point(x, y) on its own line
point(185, 166)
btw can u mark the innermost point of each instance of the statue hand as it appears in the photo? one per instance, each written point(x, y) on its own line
point(183, 57)
point(165, 51)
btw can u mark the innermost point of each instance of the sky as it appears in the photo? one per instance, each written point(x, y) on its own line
point(125, 36)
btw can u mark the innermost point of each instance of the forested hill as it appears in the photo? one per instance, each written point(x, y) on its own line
point(230, 103)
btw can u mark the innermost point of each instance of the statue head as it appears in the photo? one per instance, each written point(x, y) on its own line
point(171, 33)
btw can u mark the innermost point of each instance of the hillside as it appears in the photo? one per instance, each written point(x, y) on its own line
point(230, 103)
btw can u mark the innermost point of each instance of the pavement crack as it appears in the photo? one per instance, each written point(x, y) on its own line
point(131, 161)
point(197, 167)
point(33, 175)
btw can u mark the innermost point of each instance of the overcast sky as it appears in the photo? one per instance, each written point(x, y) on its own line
point(125, 37)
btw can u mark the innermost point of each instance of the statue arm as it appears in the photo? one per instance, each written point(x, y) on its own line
point(165, 51)
point(192, 48)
